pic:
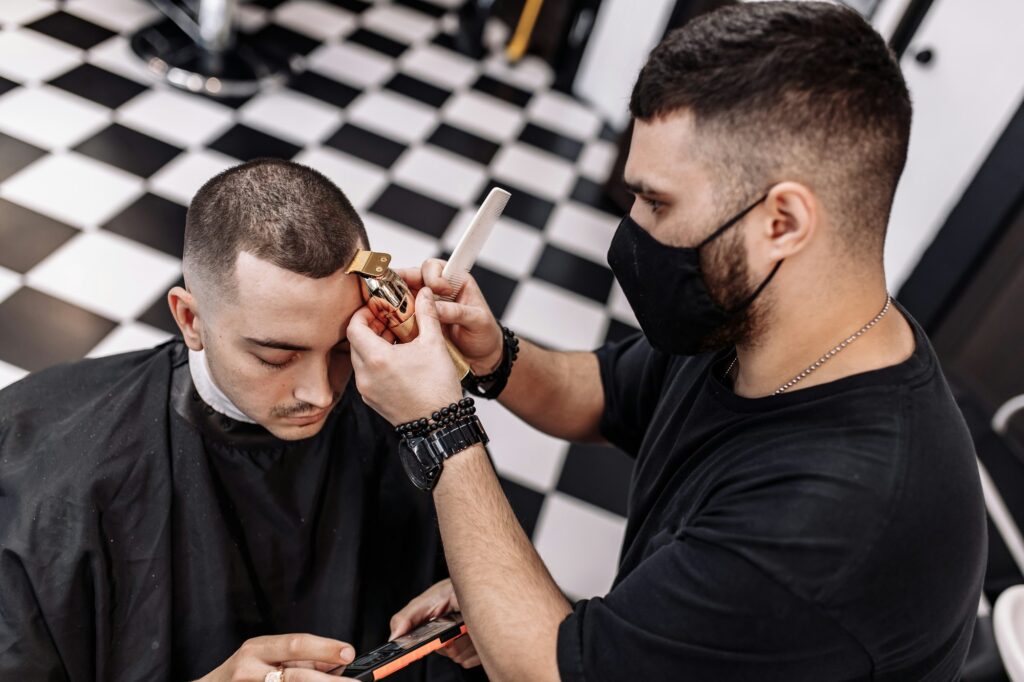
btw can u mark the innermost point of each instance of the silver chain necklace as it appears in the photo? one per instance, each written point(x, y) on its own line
point(827, 356)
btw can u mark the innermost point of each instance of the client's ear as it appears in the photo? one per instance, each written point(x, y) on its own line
point(183, 309)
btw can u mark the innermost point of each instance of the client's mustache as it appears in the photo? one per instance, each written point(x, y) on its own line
point(300, 409)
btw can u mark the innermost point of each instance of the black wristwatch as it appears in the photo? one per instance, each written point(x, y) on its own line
point(423, 456)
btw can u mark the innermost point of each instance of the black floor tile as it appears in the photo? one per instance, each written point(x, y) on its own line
point(40, 330)
point(526, 504)
point(284, 41)
point(571, 272)
point(464, 144)
point(609, 134)
point(589, 192)
point(598, 474)
point(551, 142)
point(617, 331)
point(415, 210)
point(354, 6)
point(6, 85)
point(525, 207)
point(428, 8)
point(245, 143)
point(267, 4)
point(98, 85)
point(418, 90)
point(15, 155)
point(368, 146)
point(153, 221)
point(375, 41)
point(324, 88)
point(129, 150)
point(71, 29)
point(159, 315)
point(27, 237)
point(502, 90)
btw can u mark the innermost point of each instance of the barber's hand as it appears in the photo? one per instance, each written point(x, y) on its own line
point(436, 601)
point(305, 658)
point(475, 331)
point(406, 381)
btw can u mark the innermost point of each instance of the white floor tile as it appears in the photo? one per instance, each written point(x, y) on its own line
point(49, 117)
point(568, 530)
point(393, 115)
point(439, 66)
point(26, 55)
point(619, 307)
point(107, 274)
point(511, 250)
point(15, 12)
point(555, 317)
point(74, 189)
point(9, 374)
point(361, 182)
point(563, 114)
point(484, 115)
point(522, 453)
point(291, 116)
point(398, 23)
point(115, 54)
point(597, 160)
point(441, 174)
point(314, 18)
point(351, 63)
point(544, 174)
point(408, 247)
point(123, 16)
point(582, 230)
point(10, 281)
point(530, 73)
point(182, 177)
point(177, 117)
point(128, 337)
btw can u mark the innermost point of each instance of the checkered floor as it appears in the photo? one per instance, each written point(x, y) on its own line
point(98, 163)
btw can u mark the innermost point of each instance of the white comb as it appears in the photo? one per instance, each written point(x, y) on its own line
point(473, 240)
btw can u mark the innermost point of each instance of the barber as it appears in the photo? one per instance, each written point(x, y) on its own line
point(804, 503)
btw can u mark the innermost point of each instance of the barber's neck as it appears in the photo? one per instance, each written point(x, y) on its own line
point(807, 317)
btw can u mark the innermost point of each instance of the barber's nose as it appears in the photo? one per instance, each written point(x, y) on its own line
point(315, 386)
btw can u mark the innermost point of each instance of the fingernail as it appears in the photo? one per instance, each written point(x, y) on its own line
point(347, 654)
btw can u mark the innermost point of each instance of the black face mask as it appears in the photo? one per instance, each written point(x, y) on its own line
point(666, 289)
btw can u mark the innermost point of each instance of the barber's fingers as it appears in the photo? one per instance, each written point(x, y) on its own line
point(470, 317)
point(364, 332)
point(413, 277)
point(435, 601)
point(462, 651)
point(426, 315)
point(300, 647)
point(432, 277)
point(308, 675)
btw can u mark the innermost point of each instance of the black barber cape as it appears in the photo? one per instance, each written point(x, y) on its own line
point(832, 533)
point(145, 537)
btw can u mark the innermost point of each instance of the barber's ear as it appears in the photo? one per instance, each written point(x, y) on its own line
point(183, 309)
point(794, 214)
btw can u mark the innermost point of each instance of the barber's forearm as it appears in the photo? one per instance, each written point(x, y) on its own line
point(511, 604)
point(559, 393)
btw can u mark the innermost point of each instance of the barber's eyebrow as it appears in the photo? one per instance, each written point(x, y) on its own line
point(284, 345)
point(640, 187)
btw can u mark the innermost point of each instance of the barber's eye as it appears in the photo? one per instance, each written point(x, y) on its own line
point(652, 204)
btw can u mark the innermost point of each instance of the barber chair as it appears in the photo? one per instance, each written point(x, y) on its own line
point(198, 49)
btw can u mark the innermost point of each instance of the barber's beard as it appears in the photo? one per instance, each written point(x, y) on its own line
point(728, 280)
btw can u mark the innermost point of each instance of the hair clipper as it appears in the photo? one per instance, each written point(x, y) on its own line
point(391, 302)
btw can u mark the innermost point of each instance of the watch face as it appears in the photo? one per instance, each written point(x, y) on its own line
point(418, 464)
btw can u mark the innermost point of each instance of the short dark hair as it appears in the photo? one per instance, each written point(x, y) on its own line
point(277, 210)
point(780, 86)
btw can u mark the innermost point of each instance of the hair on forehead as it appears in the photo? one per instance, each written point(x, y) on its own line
point(277, 210)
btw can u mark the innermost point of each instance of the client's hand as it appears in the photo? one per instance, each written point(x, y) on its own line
point(303, 658)
point(474, 330)
point(436, 601)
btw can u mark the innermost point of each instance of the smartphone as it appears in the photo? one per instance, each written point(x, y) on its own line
point(401, 651)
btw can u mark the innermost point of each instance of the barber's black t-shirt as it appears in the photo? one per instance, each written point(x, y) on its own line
point(831, 533)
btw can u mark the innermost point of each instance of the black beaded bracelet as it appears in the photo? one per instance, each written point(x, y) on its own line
point(491, 385)
point(441, 418)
